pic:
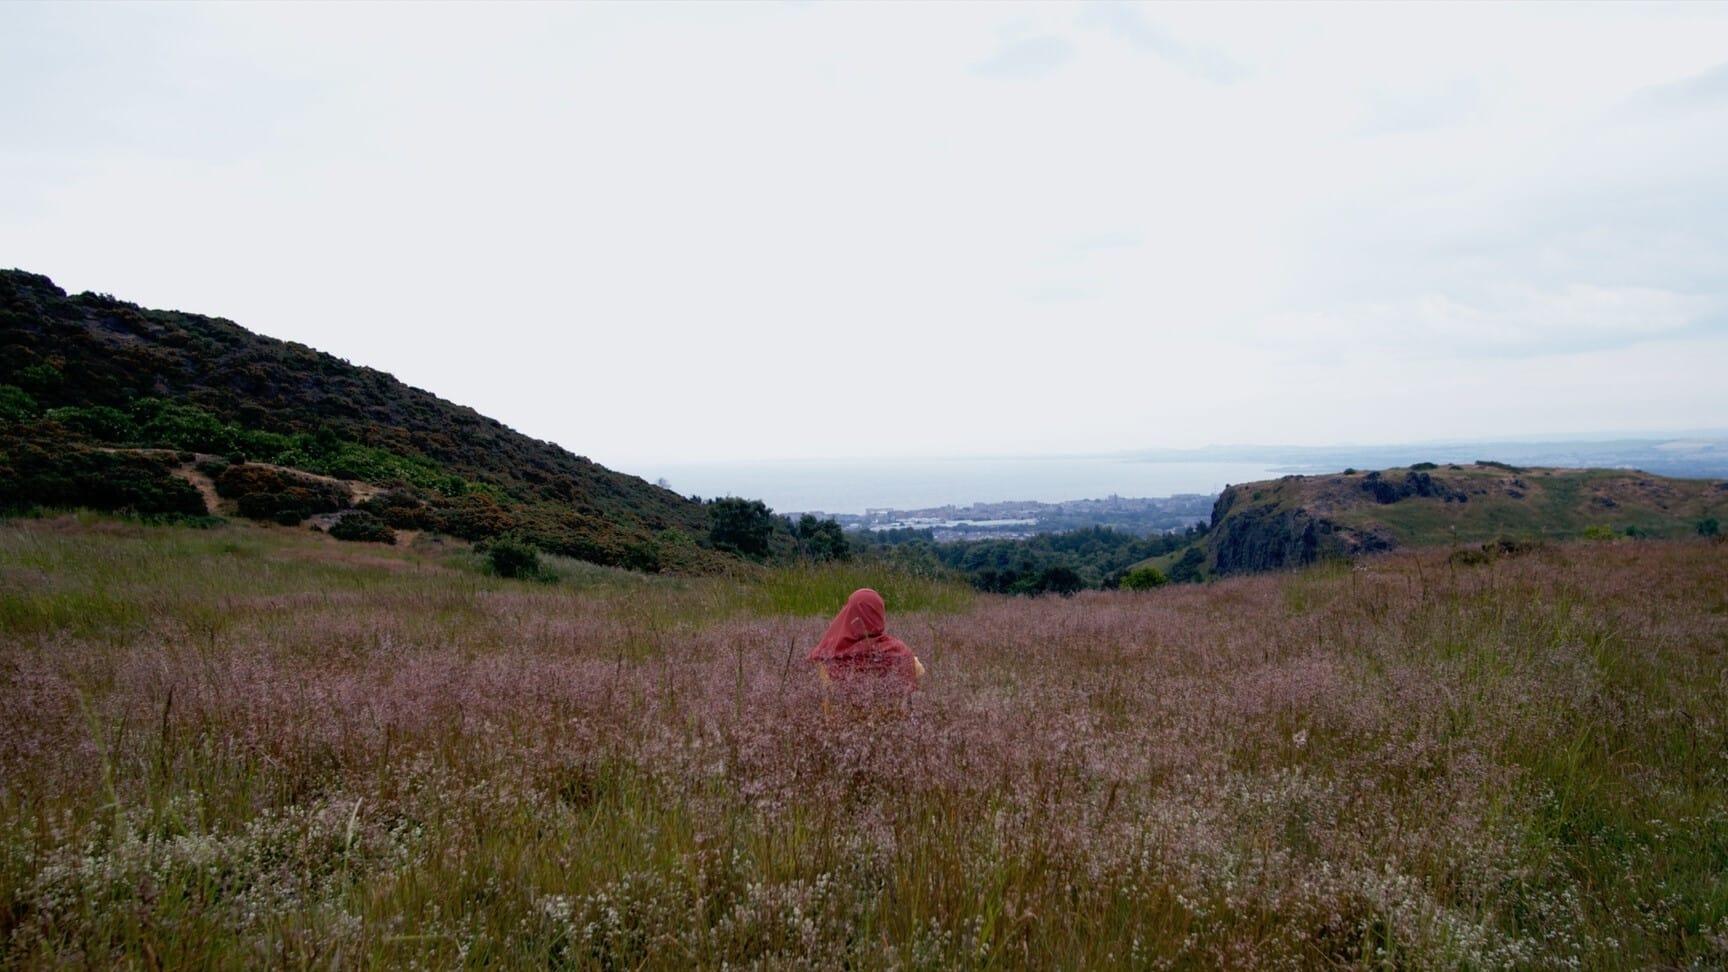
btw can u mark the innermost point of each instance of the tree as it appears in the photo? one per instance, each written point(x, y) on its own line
point(1708, 527)
point(1144, 579)
point(1060, 580)
point(822, 539)
point(740, 525)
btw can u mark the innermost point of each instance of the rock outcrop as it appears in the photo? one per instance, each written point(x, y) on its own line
point(1249, 535)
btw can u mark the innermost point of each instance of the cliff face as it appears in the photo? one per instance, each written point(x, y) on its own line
point(1252, 535)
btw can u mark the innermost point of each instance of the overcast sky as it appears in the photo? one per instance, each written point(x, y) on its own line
point(681, 232)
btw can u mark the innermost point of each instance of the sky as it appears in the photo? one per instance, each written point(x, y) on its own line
point(794, 230)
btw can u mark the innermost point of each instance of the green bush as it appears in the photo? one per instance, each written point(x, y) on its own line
point(214, 466)
point(361, 526)
point(98, 422)
point(740, 525)
point(264, 493)
point(16, 404)
point(39, 378)
point(1144, 579)
point(65, 475)
point(1708, 527)
point(511, 557)
point(400, 509)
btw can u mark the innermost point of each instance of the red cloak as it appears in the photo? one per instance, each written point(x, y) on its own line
point(856, 644)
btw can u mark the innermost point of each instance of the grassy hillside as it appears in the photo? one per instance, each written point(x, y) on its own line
point(84, 376)
point(1300, 519)
point(243, 747)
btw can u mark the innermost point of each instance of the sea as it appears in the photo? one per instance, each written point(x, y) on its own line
point(857, 485)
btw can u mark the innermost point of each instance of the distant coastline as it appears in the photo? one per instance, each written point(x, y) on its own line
point(854, 486)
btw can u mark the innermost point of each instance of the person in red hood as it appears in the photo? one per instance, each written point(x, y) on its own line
point(857, 646)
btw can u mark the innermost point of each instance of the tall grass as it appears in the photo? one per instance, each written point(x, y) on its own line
point(819, 589)
point(253, 746)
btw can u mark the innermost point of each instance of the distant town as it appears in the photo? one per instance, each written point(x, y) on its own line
point(1025, 518)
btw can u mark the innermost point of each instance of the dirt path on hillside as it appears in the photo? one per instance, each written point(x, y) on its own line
point(358, 491)
point(205, 486)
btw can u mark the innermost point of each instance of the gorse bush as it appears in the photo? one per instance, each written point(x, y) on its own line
point(399, 509)
point(213, 466)
point(358, 525)
point(515, 558)
point(59, 475)
point(266, 493)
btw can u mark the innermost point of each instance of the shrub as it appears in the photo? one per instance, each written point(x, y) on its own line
point(361, 526)
point(1708, 527)
point(60, 474)
point(511, 557)
point(1144, 579)
point(39, 378)
point(98, 422)
point(16, 404)
point(473, 517)
point(266, 493)
point(1469, 558)
point(740, 525)
point(1512, 547)
point(1421, 466)
point(400, 509)
point(1597, 531)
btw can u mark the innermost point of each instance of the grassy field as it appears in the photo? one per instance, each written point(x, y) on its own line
point(247, 746)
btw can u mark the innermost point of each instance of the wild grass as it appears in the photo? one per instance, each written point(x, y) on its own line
point(254, 747)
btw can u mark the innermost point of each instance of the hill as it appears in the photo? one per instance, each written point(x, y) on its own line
point(107, 404)
point(1298, 520)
